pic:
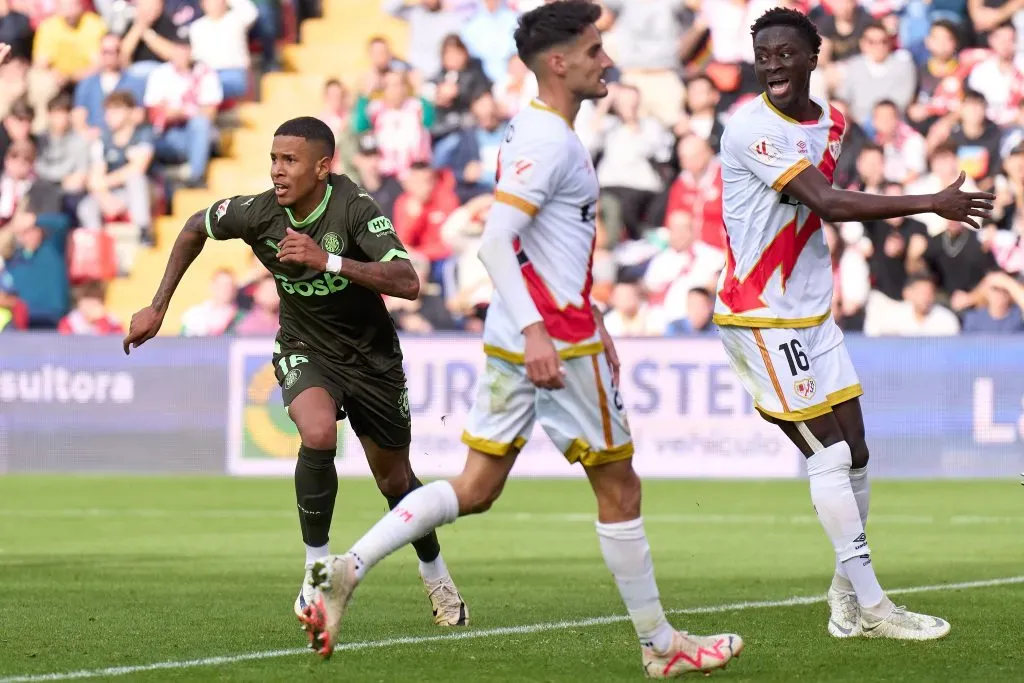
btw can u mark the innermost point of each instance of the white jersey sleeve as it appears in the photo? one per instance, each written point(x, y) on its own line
point(529, 171)
point(766, 151)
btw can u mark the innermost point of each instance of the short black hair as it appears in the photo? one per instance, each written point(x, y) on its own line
point(974, 95)
point(780, 16)
point(553, 24)
point(887, 103)
point(950, 27)
point(871, 146)
point(309, 128)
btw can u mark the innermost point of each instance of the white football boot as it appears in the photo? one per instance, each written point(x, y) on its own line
point(900, 624)
point(844, 622)
point(334, 578)
point(306, 594)
point(449, 607)
point(689, 653)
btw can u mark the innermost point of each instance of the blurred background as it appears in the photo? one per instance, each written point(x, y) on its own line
point(120, 118)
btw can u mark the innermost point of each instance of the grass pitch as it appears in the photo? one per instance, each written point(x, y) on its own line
point(100, 573)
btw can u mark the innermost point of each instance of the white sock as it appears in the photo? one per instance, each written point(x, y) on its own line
point(419, 513)
point(316, 552)
point(862, 492)
point(432, 571)
point(832, 495)
point(628, 556)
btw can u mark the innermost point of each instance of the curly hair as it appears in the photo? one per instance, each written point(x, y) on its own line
point(779, 16)
point(553, 24)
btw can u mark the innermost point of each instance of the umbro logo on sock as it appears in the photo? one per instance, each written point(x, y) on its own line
point(862, 540)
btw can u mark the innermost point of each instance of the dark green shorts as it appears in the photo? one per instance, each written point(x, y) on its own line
point(376, 405)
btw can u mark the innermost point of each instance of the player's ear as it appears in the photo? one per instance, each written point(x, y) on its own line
point(556, 62)
point(814, 62)
point(323, 168)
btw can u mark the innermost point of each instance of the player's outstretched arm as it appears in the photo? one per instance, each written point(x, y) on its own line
point(812, 189)
point(146, 323)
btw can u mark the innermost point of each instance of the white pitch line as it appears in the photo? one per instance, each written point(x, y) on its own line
point(483, 633)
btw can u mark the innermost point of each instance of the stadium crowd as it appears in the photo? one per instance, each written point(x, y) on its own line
point(929, 87)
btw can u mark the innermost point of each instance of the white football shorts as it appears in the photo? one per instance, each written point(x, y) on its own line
point(793, 374)
point(586, 420)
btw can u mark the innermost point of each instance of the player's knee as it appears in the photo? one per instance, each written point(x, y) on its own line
point(319, 434)
point(476, 496)
point(859, 452)
point(394, 482)
point(619, 499)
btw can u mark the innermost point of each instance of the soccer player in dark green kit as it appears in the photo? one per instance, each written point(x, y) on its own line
point(333, 254)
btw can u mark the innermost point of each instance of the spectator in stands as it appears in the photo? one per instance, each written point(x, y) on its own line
point(1007, 244)
point(38, 266)
point(15, 30)
point(488, 35)
point(1001, 299)
point(916, 316)
point(20, 186)
point(385, 189)
point(977, 141)
point(220, 40)
point(63, 154)
point(870, 169)
point(89, 316)
point(630, 148)
point(958, 262)
point(700, 307)
point(428, 312)
point(841, 30)
point(159, 25)
point(686, 263)
point(998, 78)
point(420, 212)
point(429, 23)
point(469, 295)
point(697, 191)
point(337, 114)
point(382, 60)
point(893, 247)
point(701, 117)
point(854, 141)
point(218, 314)
point(515, 90)
point(17, 126)
point(630, 315)
point(461, 81)
point(944, 169)
point(877, 74)
point(91, 92)
point(474, 158)
point(67, 43)
point(650, 40)
point(850, 282)
point(20, 82)
point(400, 122)
point(939, 78)
point(182, 98)
point(264, 318)
point(13, 314)
point(902, 147)
point(119, 164)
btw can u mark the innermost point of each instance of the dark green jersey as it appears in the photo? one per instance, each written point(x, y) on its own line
point(335, 318)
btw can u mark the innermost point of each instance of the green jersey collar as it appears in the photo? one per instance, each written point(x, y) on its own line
point(317, 212)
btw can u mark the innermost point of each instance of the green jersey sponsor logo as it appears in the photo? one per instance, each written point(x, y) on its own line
point(332, 243)
point(379, 225)
point(328, 283)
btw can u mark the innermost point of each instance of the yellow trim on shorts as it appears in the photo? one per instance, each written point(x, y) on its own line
point(787, 323)
point(801, 415)
point(581, 452)
point(843, 395)
point(791, 172)
point(578, 351)
point(495, 448)
point(602, 399)
point(759, 339)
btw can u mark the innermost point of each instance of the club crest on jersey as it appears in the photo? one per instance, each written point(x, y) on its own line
point(522, 170)
point(804, 388)
point(765, 152)
point(222, 209)
point(834, 148)
point(332, 244)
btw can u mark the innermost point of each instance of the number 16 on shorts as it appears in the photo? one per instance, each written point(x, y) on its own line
point(791, 373)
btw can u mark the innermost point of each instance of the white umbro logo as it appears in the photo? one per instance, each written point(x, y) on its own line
point(765, 152)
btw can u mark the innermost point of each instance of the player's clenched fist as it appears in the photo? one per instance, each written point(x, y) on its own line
point(297, 247)
point(543, 366)
point(144, 326)
point(966, 207)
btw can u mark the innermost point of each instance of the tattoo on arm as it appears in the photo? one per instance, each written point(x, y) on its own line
point(186, 248)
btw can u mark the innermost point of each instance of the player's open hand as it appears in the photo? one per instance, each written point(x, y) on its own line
point(298, 247)
point(970, 208)
point(543, 366)
point(144, 326)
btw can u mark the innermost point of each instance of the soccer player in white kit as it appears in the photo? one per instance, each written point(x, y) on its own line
point(779, 152)
point(549, 357)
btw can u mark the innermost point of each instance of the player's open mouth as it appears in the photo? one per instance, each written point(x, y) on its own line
point(778, 87)
point(279, 189)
